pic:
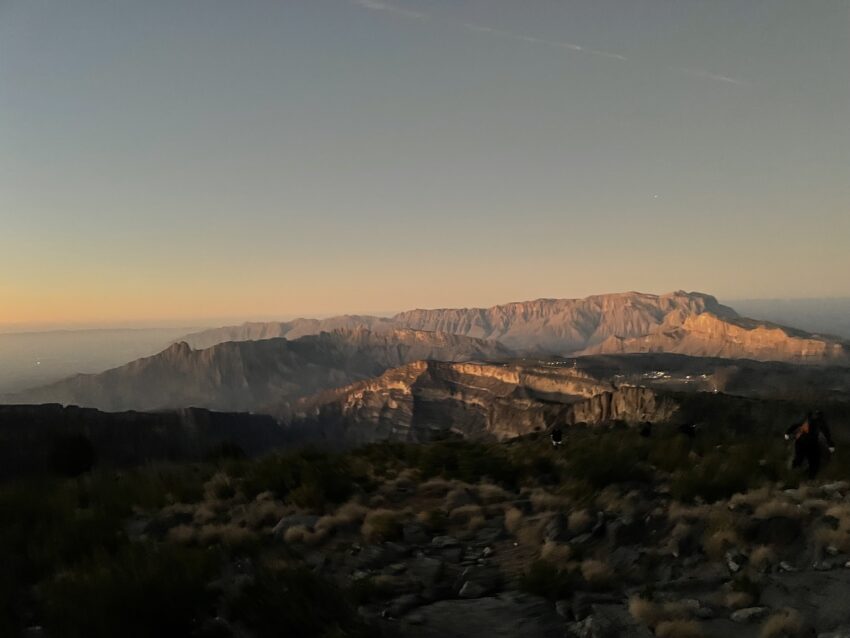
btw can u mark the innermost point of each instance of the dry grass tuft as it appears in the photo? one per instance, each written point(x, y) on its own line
point(579, 521)
point(530, 534)
point(302, 535)
point(205, 513)
point(738, 600)
point(556, 553)
point(466, 512)
point(350, 514)
point(596, 572)
point(514, 520)
point(652, 614)
point(678, 629)
point(753, 498)
point(381, 525)
point(763, 557)
point(490, 494)
point(436, 487)
point(184, 534)
point(777, 508)
point(543, 501)
point(645, 611)
point(264, 513)
point(788, 623)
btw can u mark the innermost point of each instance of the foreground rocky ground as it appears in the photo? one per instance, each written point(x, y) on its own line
point(614, 535)
point(442, 558)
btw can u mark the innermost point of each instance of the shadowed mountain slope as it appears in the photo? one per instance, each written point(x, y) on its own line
point(246, 375)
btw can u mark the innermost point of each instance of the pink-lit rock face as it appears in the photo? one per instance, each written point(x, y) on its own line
point(679, 322)
point(711, 336)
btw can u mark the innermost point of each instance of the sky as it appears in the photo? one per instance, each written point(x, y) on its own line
point(195, 160)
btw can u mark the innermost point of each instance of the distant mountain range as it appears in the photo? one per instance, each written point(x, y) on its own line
point(687, 323)
point(248, 375)
point(268, 367)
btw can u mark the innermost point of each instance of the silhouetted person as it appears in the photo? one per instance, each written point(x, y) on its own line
point(807, 441)
point(557, 436)
point(646, 429)
point(689, 430)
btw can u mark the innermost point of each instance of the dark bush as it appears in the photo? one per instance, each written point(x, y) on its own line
point(309, 479)
point(546, 580)
point(71, 455)
point(141, 591)
point(296, 603)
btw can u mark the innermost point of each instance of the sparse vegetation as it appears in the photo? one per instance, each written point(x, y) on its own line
point(110, 534)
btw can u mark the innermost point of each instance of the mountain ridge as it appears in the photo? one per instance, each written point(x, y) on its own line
point(608, 323)
point(245, 375)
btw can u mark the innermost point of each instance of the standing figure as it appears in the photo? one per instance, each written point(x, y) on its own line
point(557, 436)
point(807, 441)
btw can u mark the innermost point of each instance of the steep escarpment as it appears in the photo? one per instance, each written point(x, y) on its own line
point(566, 325)
point(709, 335)
point(248, 375)
point(626, 403)
point(543, 325)
point(427, 399)
point(690, 323)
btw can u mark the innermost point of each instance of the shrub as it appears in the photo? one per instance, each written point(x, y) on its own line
point(596, 573)
point(71, 455)
point(381, 525)
point(545, 579)
point(139, 592)
point(786, 624)
point(308, 479)
point(297, 602)
point(514, 520)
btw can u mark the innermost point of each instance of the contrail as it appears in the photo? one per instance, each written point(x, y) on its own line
point(711, 76)
point(380, 5)
point(549, 43)
point(377, 5)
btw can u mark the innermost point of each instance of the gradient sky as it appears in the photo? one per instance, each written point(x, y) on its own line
point(177, 159)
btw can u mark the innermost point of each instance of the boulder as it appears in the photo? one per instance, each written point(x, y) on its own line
point(749, 614)
point(477, 582)
point(426, 571)
point(306, 520)
point(556, 529)
point(415, 534)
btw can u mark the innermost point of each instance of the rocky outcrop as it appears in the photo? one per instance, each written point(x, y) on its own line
point(248, 375)
point(627, 403)
point(709, 335)
point(426, 399)
point(566, 325)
